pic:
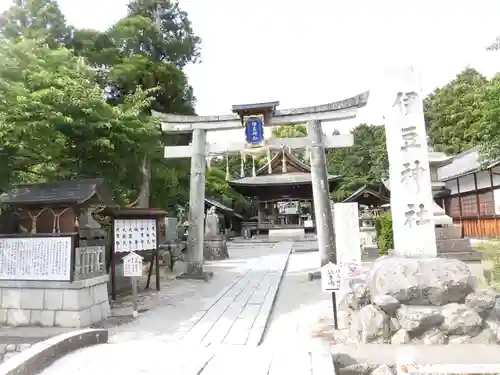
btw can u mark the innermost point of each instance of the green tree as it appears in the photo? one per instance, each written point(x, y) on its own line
point(56, 124)
point(364, 163)
point(453, 113)
point(490, 122)
point(35, 19)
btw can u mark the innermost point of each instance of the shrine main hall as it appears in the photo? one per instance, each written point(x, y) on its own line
point(283, 191)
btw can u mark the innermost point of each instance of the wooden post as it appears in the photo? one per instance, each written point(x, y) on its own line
point(113, 262)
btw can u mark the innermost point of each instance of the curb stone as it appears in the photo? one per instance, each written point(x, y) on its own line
point(41, 355)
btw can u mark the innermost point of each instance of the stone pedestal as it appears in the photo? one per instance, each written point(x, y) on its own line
point(450, 244)
point(75, 304)
point(215, 248)
point(369, 248)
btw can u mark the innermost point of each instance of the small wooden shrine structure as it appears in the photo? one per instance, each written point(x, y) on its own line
point(54, 207)
point(283, 179)
point(370, 196)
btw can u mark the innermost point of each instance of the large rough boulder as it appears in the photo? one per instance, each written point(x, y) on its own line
point(422, 281)
point(460, 320)
point(419, 318)
point(369, 324)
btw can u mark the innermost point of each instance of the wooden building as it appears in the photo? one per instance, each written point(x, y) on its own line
point(284, 179)
point(370, 196)
point(474, 194)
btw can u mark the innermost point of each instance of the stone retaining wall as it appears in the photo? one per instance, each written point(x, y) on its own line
point(54, 303)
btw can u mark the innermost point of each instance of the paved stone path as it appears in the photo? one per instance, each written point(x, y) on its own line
point(205, 328)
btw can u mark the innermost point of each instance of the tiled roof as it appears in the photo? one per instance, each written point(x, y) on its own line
point(222, 207)
point(462, 164)
point(61, 192)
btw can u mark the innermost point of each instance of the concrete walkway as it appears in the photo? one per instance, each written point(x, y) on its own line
point(179, 359)
point(193, 317)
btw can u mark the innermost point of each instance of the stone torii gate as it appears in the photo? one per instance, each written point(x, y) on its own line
point(316, 142)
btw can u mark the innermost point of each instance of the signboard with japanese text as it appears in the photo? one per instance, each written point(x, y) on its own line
point(134, 234)
point(132, 265)
point(254, 131)
point(331, 277)
point(36, 258)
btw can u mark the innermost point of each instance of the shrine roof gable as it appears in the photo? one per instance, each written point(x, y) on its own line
point(70, 192)
point(365, 189)
point(277, 162)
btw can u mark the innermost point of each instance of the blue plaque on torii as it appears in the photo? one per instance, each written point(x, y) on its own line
point(254, 131)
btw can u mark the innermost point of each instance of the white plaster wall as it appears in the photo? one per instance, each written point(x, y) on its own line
point(496, 178)
point(452, 185)
point(466, 183)
point(483, 180)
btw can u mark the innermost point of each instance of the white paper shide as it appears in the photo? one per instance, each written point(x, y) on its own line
point(35, 258)
point(410, 183)
point(134, 234)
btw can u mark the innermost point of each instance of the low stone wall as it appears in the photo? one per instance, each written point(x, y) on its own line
point(8, 351)
point(54, 303)
point(421, 301)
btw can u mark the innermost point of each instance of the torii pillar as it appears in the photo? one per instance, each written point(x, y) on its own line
point(200, 149)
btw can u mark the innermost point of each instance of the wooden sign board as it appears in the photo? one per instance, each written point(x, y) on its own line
point(132, 265)
point(135, 234)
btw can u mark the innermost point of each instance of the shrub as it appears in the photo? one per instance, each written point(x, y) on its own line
point(385, 240)
point(490, 261)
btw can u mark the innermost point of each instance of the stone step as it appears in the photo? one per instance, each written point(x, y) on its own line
point(464, 256)
point(378, 354)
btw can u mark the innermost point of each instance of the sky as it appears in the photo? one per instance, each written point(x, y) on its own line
point(314, 52)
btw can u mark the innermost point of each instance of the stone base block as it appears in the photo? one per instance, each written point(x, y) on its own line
point(452, 231)
point(459, 248)
point(54, 303)
point(287, 233)
point(215, 248)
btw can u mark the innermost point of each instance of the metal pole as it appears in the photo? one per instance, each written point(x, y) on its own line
point(321, 194)
point(135, 312)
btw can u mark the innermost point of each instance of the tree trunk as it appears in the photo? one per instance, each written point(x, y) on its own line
point(145, 191)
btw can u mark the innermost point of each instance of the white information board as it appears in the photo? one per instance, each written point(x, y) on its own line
point(347, 234)
point(35, 258)
point(331, 277)
point(132, 265)
point(134, 234)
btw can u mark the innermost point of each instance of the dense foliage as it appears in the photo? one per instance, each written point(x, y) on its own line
point(77, 103)
point(363, 163)
point(465, 113)
point(383, 226)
